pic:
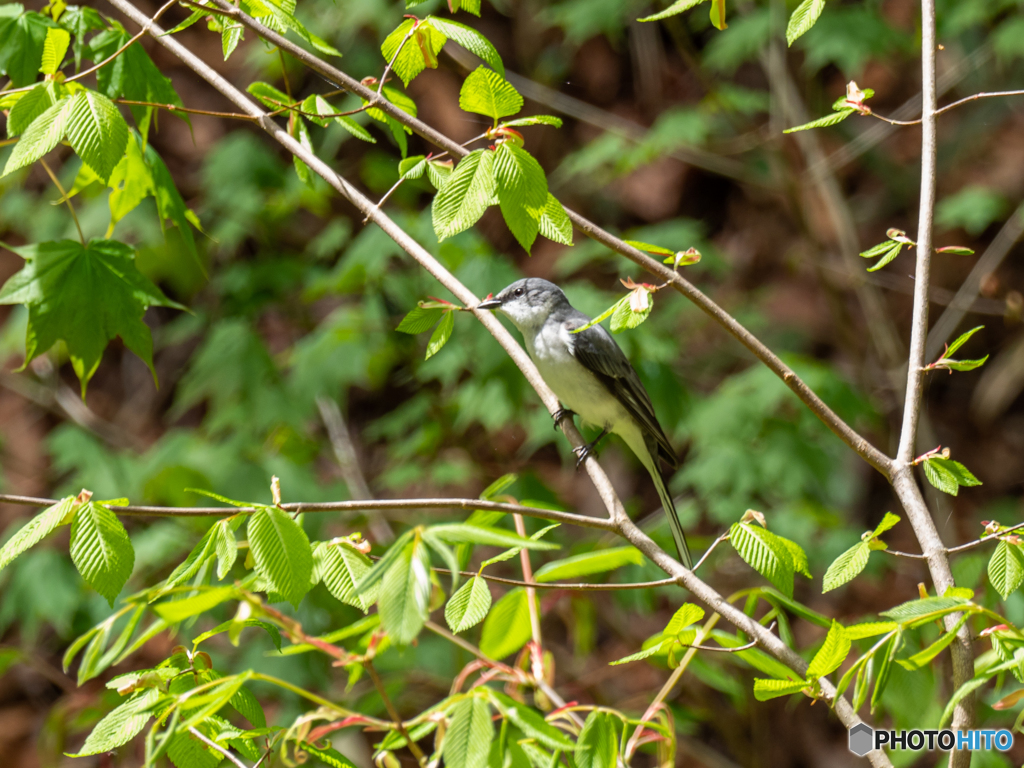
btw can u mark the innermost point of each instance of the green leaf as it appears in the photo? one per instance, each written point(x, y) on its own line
point(318, 105)
point(226, 547)
point(376, 574)
point(85, 296)
point(534, 120)
point(281, 552)
point(522, 191)
point(419, 52)
point(925, 656)
point(589, 563)
point(174, 611)
point(554, 222)
point(885, 658)
point(301, 132)
point(55, 46)
point(405, 593)
point(488, 93)
point(803, 18)
point(412, 167)
point(686, 615)
point(468, 606)
point(530, 722)
point(598, 742)
point(327, 755)
point(485, 535)
point(889, 521)
point(341, 567)
point(462, 200)
point(96, 131)
point(101, 550)
point(269, 95)
point(765, 553)
point(916, 612)
point(626, 317)
point(831, 654)
point(120, 725)
point(962, 339)
point(29, 107)
point(42, 135)
point(889, 255)
point(36, 529)
point(468, 740)
point(130, 182)
point(846, 567)
point(22, 40)
point(419, 320)
point(765, 690)
point(498, 486)
point(507, 627)
point(1006, 568)
point(948, 475)
point(655, 649)
point(469, 39)
point(965, 365)
point(230, 37)
point(823, 122)
point(235, 628)
point(869, 629)
point(441, 334)
point(673, 10)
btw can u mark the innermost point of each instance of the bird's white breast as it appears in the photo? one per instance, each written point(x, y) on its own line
point(576, 387)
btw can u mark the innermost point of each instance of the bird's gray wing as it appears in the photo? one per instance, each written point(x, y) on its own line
point(597, 351)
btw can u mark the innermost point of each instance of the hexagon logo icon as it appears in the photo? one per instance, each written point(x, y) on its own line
point(862, 739)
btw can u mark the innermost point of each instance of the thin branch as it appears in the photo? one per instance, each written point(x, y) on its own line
point(860, 445)
point(576, 587)
point(954, 105)
point(531, 593)
point(390, 707)
point(64, 197)
point(985, 539)
point(340, 506)
point(217, 747)
point(711, 549)
point(175, 108)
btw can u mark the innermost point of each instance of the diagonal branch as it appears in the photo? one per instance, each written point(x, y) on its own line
point(832, 420)
point(701, 591)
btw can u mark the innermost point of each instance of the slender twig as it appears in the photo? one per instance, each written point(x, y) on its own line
point(860, 445)
point(711, 549)
point(390, 64)
point(64, 197)
point(390, 707)
point(574, 587)
point(531, 593)
point(903, 480)
point(985, 539)
point(215, 746)
point(175, 108)
point(340, 506)
point(948, 107)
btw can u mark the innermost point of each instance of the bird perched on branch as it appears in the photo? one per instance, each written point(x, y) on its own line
point(592, 377)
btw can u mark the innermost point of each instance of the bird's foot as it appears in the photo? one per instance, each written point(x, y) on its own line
point(586, 450)
point(560, 414)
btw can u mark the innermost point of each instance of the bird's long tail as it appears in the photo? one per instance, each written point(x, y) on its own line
point(673, 518)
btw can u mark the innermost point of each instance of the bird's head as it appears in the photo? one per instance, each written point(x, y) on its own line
point(527, 303)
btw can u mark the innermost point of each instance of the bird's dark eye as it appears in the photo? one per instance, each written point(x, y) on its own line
point(518, 291)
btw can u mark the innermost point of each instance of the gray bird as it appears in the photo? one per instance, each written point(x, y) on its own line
point(592, 378)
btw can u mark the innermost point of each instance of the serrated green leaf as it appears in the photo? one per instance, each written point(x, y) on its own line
point(417, 53)
point(441, 334)
point(686, 615)
point(507, 627)
point(341, 568)
point(522, 191)
point(174, 611)
point(120, 725)
point(485, 535)
point(22, 39)
point(961, 474)
point(281, 552)
point(471, 40)
point(644, 654)
point(589, 563)
point(941, 478)
point(925, 656)
point(376, 574)
point(763, 552)
point(29, 107)
point(869, 629)
point(846, 567)
point(598, 742)
point(534, 120)
point(466, 194)
point(529, 721)
point(469, 605)
point(327, 755)
point(626, 317)
point(765, 690)
point(41, 136)
point(412, 167)
point(419, 320)
point(885, 658)
point(965, 365)
point(230, 37)
point(468, 740)
point(889, 255)
point(554, 222)
point(101, 550)
point(915, 612)
point(962, 339)
point(889, 520)
point(803, 18)
point(36, 529)
point(226, 547)
point(269, 95)
point(55, 46)
point(1006, 568)
point(486, 92)
point(823, 122)
point(831, 654)
point(235, 627)
point(673, 10)
point(96, 131)
point(404, 598)
point(498, 486)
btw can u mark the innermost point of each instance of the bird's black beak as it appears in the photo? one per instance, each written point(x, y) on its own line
point(489, 304)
